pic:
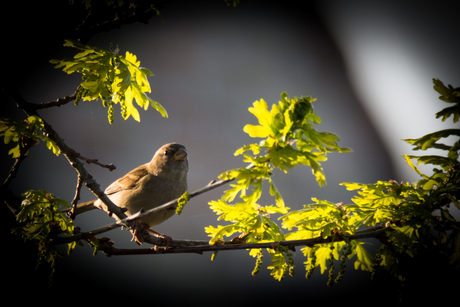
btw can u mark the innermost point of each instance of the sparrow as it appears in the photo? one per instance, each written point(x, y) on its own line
point(150, 185)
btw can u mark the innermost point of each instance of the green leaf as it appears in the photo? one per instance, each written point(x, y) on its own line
point(429, 140)
point(229, 212)
point(279, 265)
point(447, 112)
point(444, 162)
point(364, 259)
point(266, 128)
point(15, 152)
point(274, 192)
point(408, 160)
point(217, 234)
point(256, 131)
point(449, 95)
point(323, 254)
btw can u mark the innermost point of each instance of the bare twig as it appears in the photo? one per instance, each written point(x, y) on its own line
point(76, 198)
point(110, 166)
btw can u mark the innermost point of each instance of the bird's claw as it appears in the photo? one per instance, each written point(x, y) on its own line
point(168, 239)
point(139, 231)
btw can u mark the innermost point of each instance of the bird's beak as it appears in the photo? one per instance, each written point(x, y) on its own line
point(180, 155)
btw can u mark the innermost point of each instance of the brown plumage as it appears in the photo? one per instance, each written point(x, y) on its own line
point(148, 186)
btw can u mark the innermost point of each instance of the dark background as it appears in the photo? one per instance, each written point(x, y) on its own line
point(369, 65)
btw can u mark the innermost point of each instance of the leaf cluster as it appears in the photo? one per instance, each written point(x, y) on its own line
point(289, 139)
point(414, 216)
point(42, 221)
point(111, 77)
point(328, 220)
point(26, 134)
point(417, 214)
point(289, 136)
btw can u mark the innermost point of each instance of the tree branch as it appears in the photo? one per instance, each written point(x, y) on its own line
point(85, 31)
point(132, 218)
point(108, 249)
point(12, 201)
point(24, 147)
point(56, 103)
point(69, 153)
point(76, 198)
point(110, 166)
point(86, 177)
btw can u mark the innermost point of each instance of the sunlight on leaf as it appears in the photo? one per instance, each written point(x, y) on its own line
point(111, 77)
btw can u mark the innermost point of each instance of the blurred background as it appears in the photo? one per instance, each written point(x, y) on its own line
point(370, 64)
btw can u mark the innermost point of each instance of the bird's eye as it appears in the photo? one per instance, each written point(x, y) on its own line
point(165, 152)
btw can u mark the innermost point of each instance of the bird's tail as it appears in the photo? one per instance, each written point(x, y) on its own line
point(81, 208)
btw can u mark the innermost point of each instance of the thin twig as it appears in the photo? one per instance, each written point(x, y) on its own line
point(23, 149)
point(58, 102)
point(6, 196)
point(85, 31)
point(13, 202)
point(76, 198)
point(110, 166)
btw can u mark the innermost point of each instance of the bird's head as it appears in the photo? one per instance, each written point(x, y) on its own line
point(171, 159)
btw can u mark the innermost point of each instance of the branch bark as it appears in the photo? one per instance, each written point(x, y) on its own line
point(69, 153)
point(56, 103)
point(76, 198)
point(93, 25)
point(108, 249)
point(110, 166)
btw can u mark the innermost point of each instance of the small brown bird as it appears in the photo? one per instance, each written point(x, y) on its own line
point(148, 186)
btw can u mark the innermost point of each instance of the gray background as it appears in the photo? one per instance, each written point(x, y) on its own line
point(369, 65)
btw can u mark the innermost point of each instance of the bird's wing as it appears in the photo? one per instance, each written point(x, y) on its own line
point(128, 181)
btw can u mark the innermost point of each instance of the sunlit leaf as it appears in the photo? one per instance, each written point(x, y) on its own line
point(364, 259)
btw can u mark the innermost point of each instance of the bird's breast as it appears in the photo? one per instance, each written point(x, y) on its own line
point(150, 193)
